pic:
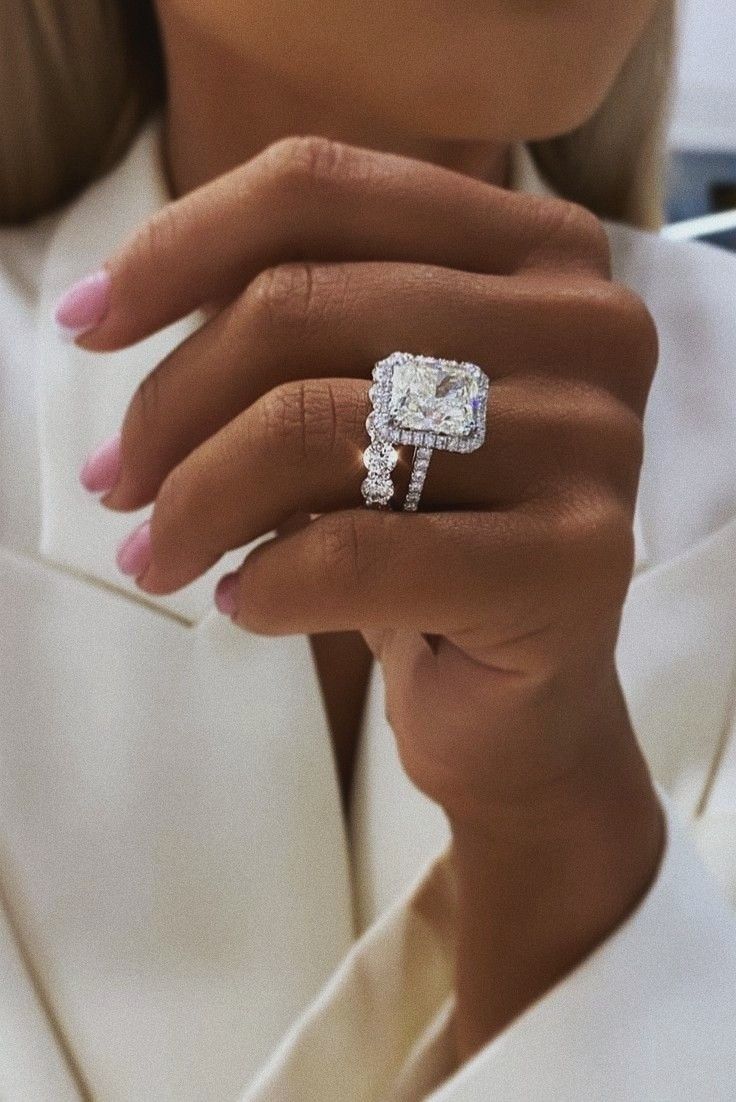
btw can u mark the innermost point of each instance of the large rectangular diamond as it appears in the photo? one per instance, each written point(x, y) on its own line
point(436, 396)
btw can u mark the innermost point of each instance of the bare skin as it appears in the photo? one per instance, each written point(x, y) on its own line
point(316, 258)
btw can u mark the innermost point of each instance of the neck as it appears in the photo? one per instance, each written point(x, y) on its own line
point(240, 109)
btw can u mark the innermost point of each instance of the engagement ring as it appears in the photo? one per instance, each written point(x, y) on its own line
point(425, 402)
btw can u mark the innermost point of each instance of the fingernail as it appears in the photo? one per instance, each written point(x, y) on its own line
point(101, 469)
point(134, 553)
point(83, 305)
point(225, 594)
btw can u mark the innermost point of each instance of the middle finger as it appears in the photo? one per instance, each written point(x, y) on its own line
point(300, 321)
point(299, 450)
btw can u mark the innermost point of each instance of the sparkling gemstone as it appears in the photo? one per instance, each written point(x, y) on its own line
point(380, 456)
point(433, 396)
point(377, 491)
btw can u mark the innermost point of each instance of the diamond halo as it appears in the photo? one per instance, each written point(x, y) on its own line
point(425, 402)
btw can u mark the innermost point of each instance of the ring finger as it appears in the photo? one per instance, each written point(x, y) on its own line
point(298, 449)
point(299, 321)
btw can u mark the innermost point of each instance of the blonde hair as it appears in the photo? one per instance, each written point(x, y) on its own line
point(78, 77)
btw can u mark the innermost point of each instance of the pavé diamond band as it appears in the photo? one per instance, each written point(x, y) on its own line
point(424, 402)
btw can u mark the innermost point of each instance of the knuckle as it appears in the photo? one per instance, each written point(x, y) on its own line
point(619, 333)
point(282, 416)
point(320, 418)
point(257, 610)
point(300, 162)
point(626, 433)
point(260, 594)
point(626, 333)
point(589, 232)
point(615, 431)
point(301, 417)
point(341, 550)
point(354, 406)
point(176, 498)
point(580, 433)
point(145, 413)
point(155, 238)
point(594, 535)
point(281, 298)
point(570, 229)
point(637, 326)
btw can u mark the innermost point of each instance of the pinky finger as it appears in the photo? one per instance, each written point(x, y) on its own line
point(444, 573)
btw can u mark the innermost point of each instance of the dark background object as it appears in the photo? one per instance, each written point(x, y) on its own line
point(701, 183)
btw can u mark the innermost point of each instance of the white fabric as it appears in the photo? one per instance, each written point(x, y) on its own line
point(184, 914)
point(650, 1015)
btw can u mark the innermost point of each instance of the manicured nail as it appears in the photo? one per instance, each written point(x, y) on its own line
point(225, 594)
point(134, 553)
point(101, 469)
point(83, 305)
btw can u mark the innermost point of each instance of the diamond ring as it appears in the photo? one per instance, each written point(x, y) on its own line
point(425, 402)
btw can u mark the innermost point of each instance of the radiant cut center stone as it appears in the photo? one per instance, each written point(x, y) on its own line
point(429, 396)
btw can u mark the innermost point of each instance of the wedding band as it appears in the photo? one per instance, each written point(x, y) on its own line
point(380, 459)
point(425, 402)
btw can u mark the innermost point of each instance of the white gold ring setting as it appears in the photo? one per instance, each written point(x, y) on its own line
point(425, 402)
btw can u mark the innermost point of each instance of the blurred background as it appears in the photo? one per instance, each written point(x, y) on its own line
point(702, 172)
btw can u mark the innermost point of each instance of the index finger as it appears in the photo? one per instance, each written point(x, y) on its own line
point(315, 199)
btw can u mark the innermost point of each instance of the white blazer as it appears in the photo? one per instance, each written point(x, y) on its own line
point(185, 916)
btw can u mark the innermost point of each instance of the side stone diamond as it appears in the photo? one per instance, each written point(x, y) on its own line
point(380, 456)
point(377, 491)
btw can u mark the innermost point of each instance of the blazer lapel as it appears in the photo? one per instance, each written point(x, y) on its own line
point(83, 396)
point(32, 1059)
point(677, 657)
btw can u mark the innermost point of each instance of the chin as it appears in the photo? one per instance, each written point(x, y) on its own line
point(532, 112)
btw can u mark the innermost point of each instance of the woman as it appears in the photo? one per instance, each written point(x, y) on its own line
point(222, 877)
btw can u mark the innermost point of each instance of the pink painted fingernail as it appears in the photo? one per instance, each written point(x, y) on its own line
point(134, 553)
point(83, 305)
point(101, 469)
point(225, 594)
